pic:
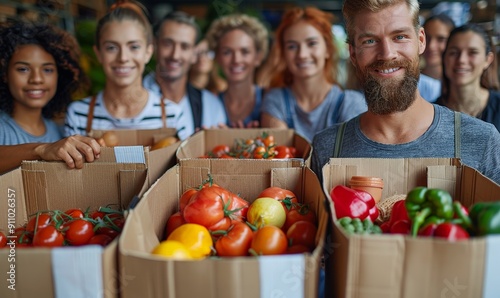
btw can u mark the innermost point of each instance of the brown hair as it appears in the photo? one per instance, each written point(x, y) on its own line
point(126, 10)
point(352, 7)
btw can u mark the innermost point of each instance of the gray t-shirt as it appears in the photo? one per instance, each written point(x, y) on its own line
point(12, 134)
point(480, 144)
point(338, 106)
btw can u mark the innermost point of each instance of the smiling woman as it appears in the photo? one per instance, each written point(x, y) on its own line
point(302, 70)
point(124, 45)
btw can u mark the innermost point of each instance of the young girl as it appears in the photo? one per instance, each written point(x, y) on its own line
point(124, 45)
point(302, 69)
point(240, 43)
point(40, 71)
point(470, 82)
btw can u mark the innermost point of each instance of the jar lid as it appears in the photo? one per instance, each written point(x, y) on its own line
point(366, 181)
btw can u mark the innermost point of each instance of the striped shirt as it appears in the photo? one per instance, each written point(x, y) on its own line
point(148, 118)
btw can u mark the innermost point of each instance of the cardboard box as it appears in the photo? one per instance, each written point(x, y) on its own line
point(145, 275)
point(203, 141)
point(86, 271)
point(158, 161)
point(403, 266)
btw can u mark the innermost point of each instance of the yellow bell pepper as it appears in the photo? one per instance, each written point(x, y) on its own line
point(195, 238)
point(172, 249)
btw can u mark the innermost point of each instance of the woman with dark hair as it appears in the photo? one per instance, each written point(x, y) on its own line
point(302, 69)
point(40, 71)
point(470, 79)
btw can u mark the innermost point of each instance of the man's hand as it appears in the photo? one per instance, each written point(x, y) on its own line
point(73, 150)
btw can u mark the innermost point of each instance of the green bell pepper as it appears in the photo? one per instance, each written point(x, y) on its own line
point(427, 205)
point(485, 218)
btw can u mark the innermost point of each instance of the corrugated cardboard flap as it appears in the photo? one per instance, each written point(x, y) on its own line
point(51, 185)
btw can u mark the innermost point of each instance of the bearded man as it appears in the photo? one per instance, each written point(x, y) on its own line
point(385, 41)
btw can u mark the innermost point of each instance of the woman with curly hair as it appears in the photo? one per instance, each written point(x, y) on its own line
point(240, 43)
point(40, 71)
point(302, 70)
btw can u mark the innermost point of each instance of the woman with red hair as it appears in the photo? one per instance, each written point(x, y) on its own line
point(301, 73)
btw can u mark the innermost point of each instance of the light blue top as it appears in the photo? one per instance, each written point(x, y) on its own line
point(429, 88)
point(338, 106)
point(13, 134)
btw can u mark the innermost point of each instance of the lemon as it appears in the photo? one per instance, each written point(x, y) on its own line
point(266, 211)
point(172, 249)
point(196, 238)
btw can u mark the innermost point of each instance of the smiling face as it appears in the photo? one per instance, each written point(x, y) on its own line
point(237, 56)
point(175, 50)
point(436, 35)
point(123, 52)
point(385, 52)
point(32, 77)
point(466, 59)
point(305, 51)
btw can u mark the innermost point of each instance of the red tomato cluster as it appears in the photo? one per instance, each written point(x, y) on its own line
point(262, 147)
point(223, 213)
point(73, 227)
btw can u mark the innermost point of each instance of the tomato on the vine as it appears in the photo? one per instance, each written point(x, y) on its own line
point(222, 224)
point(269, 240)
point(185, 197)
point(75, 213)
point(3, 240)
point(79, 232)
point(282, 152)
point(297, 249)
point(22, 237)
point(268, 140)
point(100, 239)
point(236, 241)
point(260, 152)
point(219, 150)
point(39, 221)
point(48, 236)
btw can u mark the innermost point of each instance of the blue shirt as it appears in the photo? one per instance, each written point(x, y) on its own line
point(13, 134)
point(429, 88)
point(254, 115)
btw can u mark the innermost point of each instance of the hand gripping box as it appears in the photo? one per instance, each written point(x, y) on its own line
point(145, 275)
point(403, 266)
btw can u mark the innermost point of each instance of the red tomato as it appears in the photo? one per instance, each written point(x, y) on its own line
point(236, 242)
point(97, 214)
point(107, 231)
point(282, 152)
point(185, 197)
point(269, 240)
point(48, 237)
point(221, 225)
point(302, 232)
point(303, 213)
point(285, 196)
point(226, 156)
point(293, 151)
point(22, 237)
point(173, 222)
point(75, 213)
point(40, 221)
point(219, 150)
point(297, 249)
point(206, 208)
point(79, 232)
point(3, 240)
point(100, 239)
point(238, 208)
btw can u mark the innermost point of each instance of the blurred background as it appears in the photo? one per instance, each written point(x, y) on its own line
point(80, 16)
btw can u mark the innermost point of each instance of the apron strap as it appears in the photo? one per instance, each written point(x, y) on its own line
point(338, 140)
point(457, 134)
point(90, 115)
point(163, 112)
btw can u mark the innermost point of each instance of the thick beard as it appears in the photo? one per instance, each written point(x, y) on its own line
point(386, 96)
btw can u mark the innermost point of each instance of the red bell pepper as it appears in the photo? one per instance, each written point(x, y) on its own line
point(353, 203)
point(446, 230)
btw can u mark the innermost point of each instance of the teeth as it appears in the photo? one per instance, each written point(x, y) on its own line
point(122, 69)
point(35, 92)
point(390, 70)
point(237, 69)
